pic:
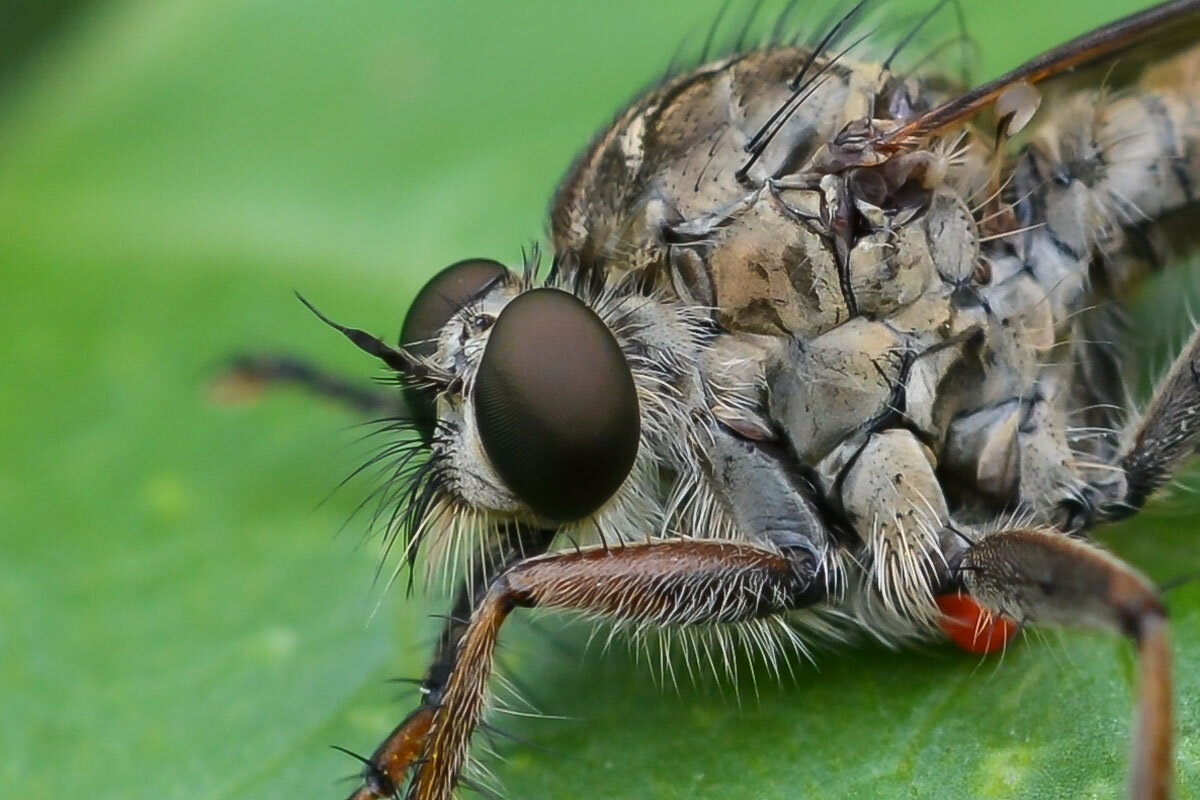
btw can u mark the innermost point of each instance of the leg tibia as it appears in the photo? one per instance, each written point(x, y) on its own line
point(1050, 577)
point(1033, 575)
point(682, 581)
point(384, 772)
point(1168, 432)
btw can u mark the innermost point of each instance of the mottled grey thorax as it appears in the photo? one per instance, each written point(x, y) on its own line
point(898, 325)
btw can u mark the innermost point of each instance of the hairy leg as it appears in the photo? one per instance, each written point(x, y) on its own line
point(246, 375)
point(665, 582)
point(1045, 576)
point(384, 771)
point(1169, 431)
point(1151, 451)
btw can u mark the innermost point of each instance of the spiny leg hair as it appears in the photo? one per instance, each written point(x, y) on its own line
point(1168, 432)
point(384, 771)
point(662, 582)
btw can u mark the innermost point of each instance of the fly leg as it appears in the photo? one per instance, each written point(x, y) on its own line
point(245, 376)
point(892, 497)
point(662, 582)
point(761, 498)
point(1041, 576)
point(1151, 451)
point(1169, 431)
point(384, 772)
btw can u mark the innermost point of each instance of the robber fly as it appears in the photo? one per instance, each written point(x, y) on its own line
point(822, 339)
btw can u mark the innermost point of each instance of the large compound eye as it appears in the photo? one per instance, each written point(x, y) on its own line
point(556, 405)
point(442, 298)
point(439, 300)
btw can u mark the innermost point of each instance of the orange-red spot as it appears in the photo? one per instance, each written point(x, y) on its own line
point(235, 388)
point(972, 627)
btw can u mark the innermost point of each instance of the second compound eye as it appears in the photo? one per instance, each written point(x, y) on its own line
point(556, 405)
point(444, 296)
point(440, 299)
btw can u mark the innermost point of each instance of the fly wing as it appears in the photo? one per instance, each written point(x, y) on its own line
point(1120, 47)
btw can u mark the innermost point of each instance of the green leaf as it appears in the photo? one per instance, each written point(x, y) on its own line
point(177, 617)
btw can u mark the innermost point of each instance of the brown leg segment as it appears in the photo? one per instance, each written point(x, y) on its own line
point(1150, 778)
point(392, 760)
point(244, 377)
point(384, 772)
point(1034, 575)
point(671, 582)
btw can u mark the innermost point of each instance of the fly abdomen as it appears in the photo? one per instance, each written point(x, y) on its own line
point(1102, 161)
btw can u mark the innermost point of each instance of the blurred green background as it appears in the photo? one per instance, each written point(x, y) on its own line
point(178, 618)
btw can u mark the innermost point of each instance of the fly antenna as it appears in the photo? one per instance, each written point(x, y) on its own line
point(396, 358)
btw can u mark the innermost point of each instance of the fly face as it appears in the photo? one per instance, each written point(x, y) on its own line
point(539, 420)
point(456, 344)
point(545, 408)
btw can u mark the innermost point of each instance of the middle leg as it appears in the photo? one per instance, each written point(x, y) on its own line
point(1152, 450)
point(1169, 431)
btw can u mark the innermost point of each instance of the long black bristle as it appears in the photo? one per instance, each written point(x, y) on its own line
point(758, 143)
point(711, 36)
point(747, 24)
point(908, 37)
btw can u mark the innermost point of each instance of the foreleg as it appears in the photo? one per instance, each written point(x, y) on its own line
point(1043, 576)
point(387, 767)
point(245, 376)
point(663, 582)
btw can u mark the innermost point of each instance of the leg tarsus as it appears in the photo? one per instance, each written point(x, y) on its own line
point(388, 769)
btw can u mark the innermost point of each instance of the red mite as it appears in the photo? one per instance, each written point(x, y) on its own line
point(972, 627)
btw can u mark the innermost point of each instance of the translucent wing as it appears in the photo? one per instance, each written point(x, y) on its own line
point(1146, 35)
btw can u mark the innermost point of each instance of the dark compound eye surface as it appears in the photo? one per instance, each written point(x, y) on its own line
point(556, 405)
point(443, 297)
point(439, 300)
